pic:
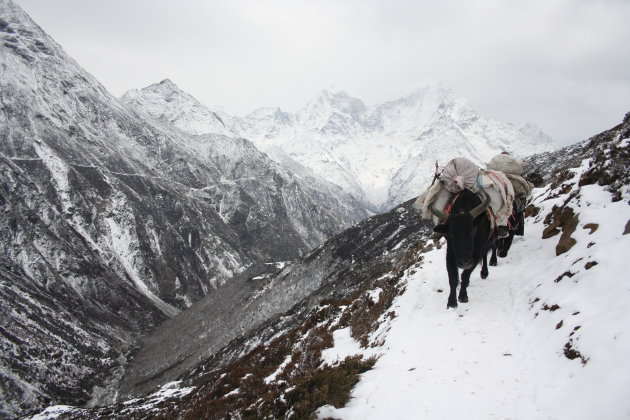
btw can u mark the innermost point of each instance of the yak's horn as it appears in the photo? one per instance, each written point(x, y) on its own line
point(481, 207)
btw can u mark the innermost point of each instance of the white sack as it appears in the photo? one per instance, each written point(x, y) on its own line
point(459, 173)
point(506, 164)
point(437, 195)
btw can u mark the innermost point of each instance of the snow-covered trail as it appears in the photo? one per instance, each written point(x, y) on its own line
point(442, 363)
point(504, 355)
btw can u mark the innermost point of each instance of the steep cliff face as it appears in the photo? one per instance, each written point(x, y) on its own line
point(113, 222)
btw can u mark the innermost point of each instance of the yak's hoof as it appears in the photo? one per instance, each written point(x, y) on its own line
point(484, 275)
point(451, 305)
point(502, 254)
point(492, 263)
point(463, 299)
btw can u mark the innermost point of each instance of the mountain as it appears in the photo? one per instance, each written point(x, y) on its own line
point(385, 154)
point(358, 328)
point(114, 222)
point(381, 155)
point(166, 103)
point(170, 105)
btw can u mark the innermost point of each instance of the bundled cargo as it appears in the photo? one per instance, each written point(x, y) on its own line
point(512, 167)
point(506, 163)
point(437, 196)
point(522, 187)
point(459, 174)
point(501, 193)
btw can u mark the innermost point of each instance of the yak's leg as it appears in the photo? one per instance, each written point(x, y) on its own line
point(463, 293)
point(453, 279)
point(493, 258)
point(506, 244)
point(463, 290)
point(484, 265)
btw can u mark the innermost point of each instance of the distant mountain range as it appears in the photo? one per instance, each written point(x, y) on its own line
point(382, 155)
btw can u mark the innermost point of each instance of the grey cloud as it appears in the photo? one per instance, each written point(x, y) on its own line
point(563, 64)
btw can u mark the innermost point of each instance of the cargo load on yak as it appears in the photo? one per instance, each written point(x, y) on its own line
point(501, 193)
point(522, 187)
point(512, 167)
point(506, 163)
point(461, 173)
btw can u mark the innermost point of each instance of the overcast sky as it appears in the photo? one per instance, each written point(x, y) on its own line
point(561, 64)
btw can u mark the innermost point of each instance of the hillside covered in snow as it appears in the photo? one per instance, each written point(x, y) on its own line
point(546, 335)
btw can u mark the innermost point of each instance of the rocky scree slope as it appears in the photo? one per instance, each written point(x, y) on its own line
point(574, 308)
point(112, 223)
point(256, 307)
point(607, 166)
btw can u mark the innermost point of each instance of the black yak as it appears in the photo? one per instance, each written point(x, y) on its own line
point(469, 236)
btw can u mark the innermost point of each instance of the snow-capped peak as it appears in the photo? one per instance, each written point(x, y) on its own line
point(384, 154)
point(533, 131)
point(271, 113)
point(336, 99)
point(166, 102)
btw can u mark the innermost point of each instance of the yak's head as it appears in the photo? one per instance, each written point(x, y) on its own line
point(461, 225)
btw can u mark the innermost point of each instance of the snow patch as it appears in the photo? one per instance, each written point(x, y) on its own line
point(375, 295)
point(124, 244)
point(269, 379)
point(345, 346)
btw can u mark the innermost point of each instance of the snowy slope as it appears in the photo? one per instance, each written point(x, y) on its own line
point(545, 336)
point(503, 355)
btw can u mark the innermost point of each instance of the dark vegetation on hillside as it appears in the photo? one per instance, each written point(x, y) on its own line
point(375, 254)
